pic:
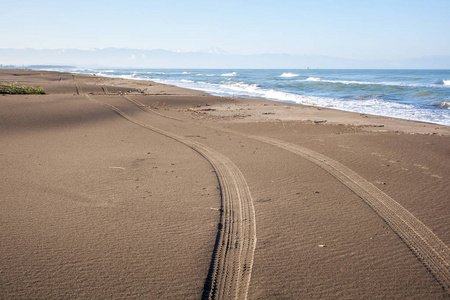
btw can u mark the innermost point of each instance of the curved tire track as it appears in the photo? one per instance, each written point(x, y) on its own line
point(428, 248)
point(231, 265)
point(78, 89)
point(146, 108)
point(105, 90)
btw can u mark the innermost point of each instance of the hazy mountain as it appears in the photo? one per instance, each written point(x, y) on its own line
point(210, 58)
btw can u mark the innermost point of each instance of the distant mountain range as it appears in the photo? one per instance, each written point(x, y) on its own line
point(135, 58)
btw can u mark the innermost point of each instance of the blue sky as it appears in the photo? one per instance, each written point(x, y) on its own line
point(361, 29)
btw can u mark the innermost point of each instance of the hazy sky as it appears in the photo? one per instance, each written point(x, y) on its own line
point(360, 29)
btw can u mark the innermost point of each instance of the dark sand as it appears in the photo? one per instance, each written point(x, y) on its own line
point(114, 188)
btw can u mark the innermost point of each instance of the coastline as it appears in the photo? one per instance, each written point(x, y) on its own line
point(98, 202)
point(301, 112)
point(395, 94)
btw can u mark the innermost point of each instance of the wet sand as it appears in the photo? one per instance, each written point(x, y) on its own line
point(115, 188)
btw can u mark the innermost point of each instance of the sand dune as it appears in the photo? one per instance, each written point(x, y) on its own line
point(115, 188)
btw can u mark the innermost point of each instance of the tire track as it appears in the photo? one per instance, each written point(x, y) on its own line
point(232, 261)
point(427, 247)
point(78, 89)
point(105, 90)
point(146, 108)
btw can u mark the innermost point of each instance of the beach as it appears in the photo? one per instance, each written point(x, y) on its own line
point(116, 188)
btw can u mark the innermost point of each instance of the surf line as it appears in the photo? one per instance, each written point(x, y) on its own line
point(425, 245)
point(232, 260)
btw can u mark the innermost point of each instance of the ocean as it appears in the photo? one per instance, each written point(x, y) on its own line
point(420, 95)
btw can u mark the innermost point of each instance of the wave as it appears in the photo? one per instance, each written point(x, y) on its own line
point(161, 73)
point(444, 104)
point(289, 75)
point(317, 79)
point(230, 74)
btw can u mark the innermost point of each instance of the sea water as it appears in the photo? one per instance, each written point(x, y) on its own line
point(420, 95)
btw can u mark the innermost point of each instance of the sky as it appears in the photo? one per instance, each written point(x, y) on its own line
point(356, 29)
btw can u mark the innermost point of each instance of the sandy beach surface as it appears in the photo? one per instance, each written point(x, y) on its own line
point(113, 188)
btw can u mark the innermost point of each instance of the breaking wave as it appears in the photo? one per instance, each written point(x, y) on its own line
point(230, 74)
point(289, 75)
point(444, 104)
point(317, 79)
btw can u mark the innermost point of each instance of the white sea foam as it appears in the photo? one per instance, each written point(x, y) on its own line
point(289, 75)
point(444, 104)
point(159, 73)
point(230, 74)
point(370, 106)
point(317, 79)
point(129, 76)
point(313, 79)
point(133, 76)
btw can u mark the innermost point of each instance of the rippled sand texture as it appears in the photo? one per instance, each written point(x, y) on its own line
point(119, 189)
